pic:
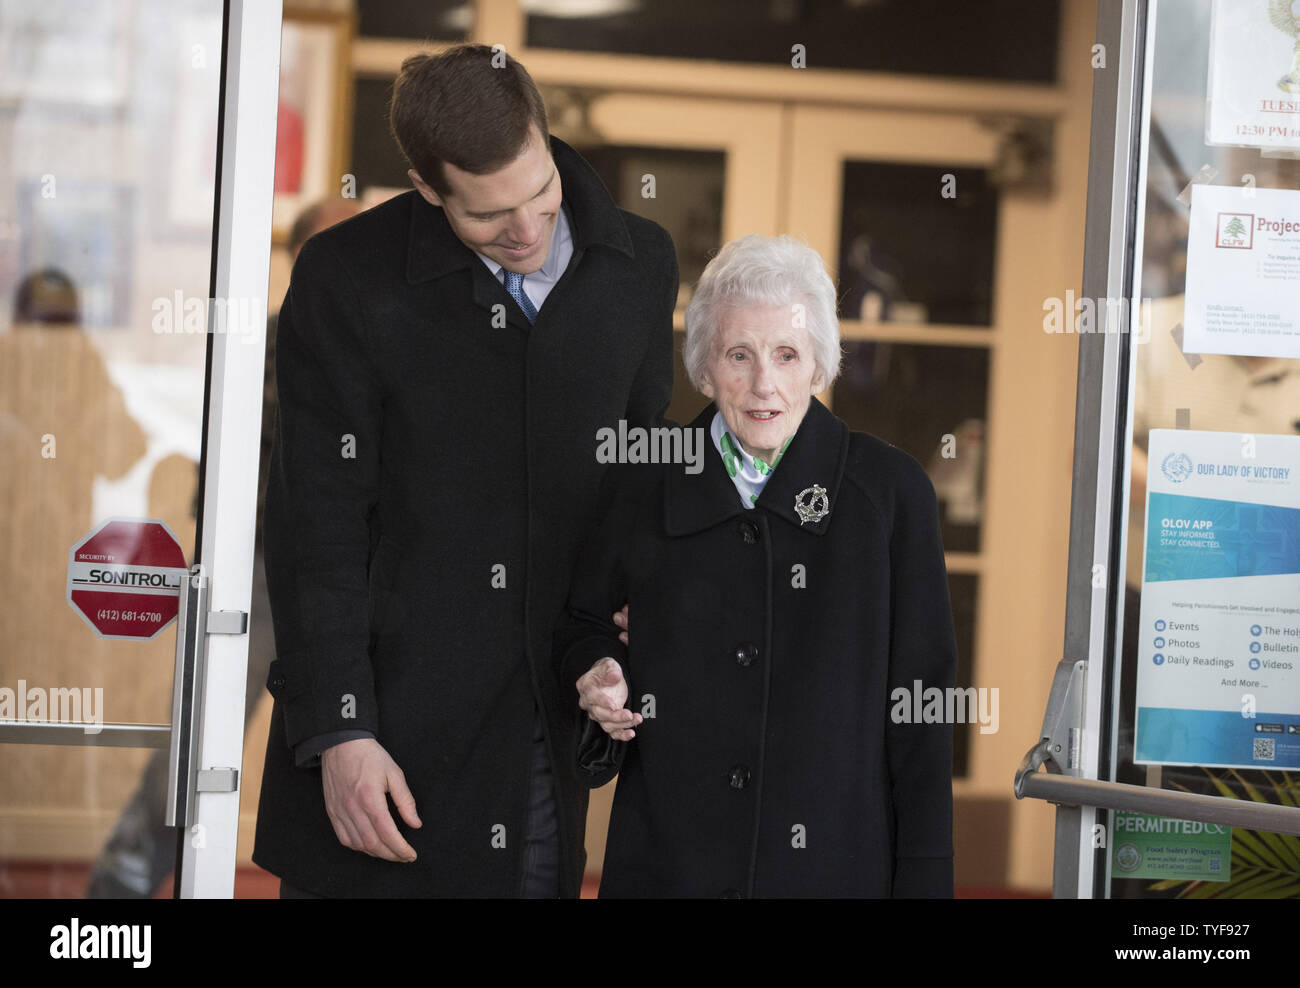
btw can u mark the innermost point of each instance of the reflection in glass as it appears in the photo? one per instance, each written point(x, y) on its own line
point(440, 20)
point(375, 158)
point(685, 199)
point(993, 39)
point(909, 254)
point(1208, 392)
point(108, 128)
point(929, 401)
point(686, 402)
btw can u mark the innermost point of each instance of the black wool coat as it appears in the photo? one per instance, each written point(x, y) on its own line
point(433, 476)
point(767, 649)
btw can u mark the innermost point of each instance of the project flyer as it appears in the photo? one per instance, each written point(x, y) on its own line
point(1218, 678)
point(1243, 272)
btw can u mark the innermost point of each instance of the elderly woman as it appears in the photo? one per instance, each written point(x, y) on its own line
point(778, 599)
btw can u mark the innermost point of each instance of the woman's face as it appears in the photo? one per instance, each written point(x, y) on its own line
point(762, 375)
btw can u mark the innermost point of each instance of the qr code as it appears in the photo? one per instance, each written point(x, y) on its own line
point(1216, 864)
point(1264, 749)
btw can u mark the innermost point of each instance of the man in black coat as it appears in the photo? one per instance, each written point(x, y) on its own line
point(434, 472)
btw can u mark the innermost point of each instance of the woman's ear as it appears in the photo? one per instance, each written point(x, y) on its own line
point(706, 386)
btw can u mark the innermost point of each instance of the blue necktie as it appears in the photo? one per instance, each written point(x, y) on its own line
point(515, 286)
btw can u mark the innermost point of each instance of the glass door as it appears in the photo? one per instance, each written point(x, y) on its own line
point(135, 167)
point(1179, 696)
point(935, 243)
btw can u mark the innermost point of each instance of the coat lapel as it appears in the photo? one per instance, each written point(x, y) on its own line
point(696, 501)
point(815, 458)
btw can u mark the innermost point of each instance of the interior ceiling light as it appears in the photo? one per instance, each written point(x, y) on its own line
point(580, 8)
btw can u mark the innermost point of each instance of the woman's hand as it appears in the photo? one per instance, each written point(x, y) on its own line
point(602, 692)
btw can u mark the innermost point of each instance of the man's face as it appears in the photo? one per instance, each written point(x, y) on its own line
point(508, 215)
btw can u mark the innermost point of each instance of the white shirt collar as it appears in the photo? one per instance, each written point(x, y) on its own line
point(557, 259)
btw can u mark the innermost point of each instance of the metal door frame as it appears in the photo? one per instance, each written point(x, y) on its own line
point(232, 427)
point(1074, 743)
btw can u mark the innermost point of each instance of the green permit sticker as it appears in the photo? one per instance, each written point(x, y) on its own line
point(1147, 846)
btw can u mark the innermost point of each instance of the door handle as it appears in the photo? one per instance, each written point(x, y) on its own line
point(187, 699)
point(1057, 751)
point(1068, 791)
point(194, 622)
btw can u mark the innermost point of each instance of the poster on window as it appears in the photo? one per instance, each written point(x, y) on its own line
point(1243, 272)
point(1218, 678)
point(1254, 82)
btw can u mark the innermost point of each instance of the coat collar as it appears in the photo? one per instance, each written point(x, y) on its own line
point(816, 456)
point(434, 249)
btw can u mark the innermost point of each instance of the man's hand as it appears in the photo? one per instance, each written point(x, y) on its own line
point(356, 775)
point(620, 619)
point(602, 691)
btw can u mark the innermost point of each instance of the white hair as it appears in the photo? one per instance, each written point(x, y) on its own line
point(754, 271)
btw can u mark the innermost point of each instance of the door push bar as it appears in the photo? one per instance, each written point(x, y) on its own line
point(145, 735)
point(1059, 747)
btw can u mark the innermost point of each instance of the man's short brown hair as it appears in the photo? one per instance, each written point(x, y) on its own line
point(469, 105)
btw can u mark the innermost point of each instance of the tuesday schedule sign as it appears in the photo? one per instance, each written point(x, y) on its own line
point(1254, 74)
point(1218, 678)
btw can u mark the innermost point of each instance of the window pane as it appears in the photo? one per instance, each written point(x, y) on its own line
point(907, 254)
point(108, 153)
point(376, 159)
point(686, 201)
point(993, 39)
point(929, 401)
point(1240, 394)
point(435, 20)
point(686, 402)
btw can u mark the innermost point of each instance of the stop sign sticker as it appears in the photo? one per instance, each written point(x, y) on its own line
point(124, 578)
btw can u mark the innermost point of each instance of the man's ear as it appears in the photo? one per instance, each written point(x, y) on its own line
point(424, 188)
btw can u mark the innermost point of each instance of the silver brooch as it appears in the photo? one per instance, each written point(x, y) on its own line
point(811, 504)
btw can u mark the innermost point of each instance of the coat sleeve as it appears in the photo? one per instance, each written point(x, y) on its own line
point(323, 486)
point(922, 647)
point(588, 633)
point(653, 387)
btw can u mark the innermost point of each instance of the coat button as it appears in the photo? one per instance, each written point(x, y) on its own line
point(748, 531)
point(739, 777)
point(746, 653)
point(276, 682)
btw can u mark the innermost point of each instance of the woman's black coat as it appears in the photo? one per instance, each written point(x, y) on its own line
point(764, 653)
